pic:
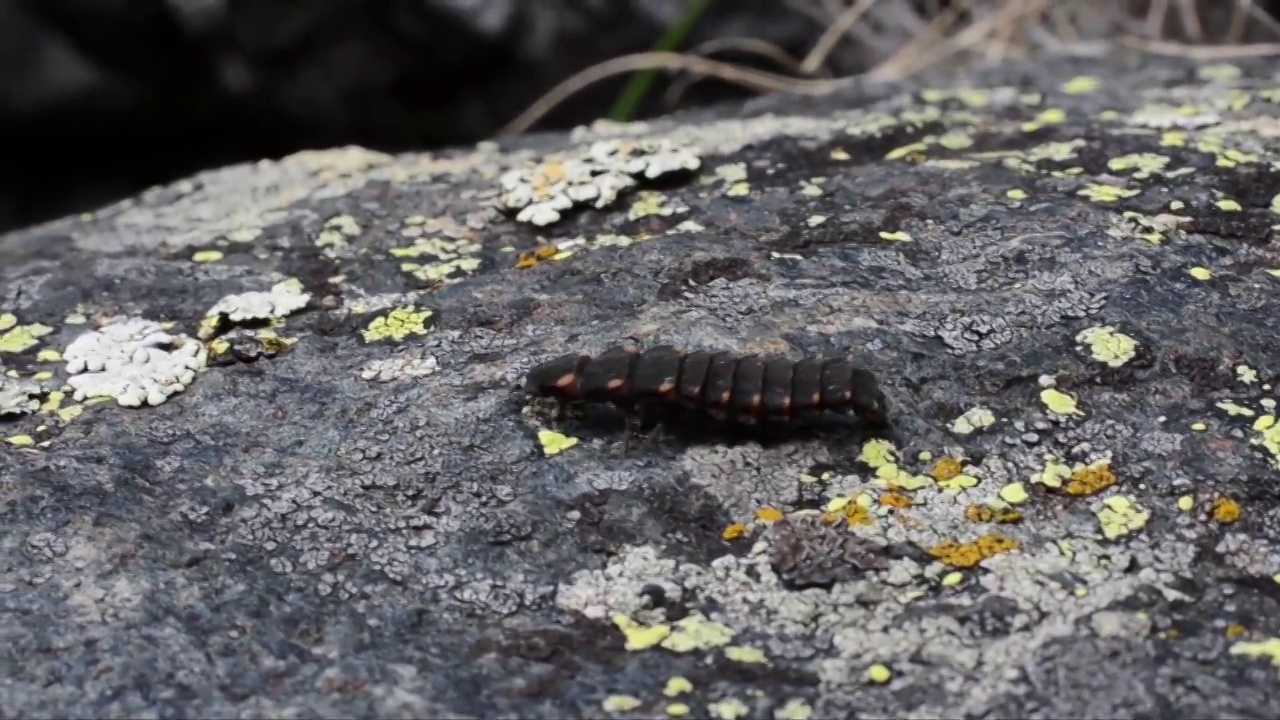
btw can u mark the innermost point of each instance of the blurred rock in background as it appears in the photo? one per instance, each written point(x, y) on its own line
point(102, 98)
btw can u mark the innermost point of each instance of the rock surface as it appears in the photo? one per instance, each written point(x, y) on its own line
point(1061, 273)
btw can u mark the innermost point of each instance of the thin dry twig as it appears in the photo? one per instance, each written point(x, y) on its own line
point(750, 46)
point(1240, 12)
point(1201, 52)
point(1190, 20)
point(963, 40)
point(821, 49)
point(934, 33)
point(757, 80)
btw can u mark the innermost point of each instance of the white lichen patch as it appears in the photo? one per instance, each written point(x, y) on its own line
point(284, 298)
point(399, 367)
point(596, 176)
point(134, 361)
point(18, 396)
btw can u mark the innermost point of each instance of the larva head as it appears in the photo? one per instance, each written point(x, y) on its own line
point(869, 400)
point(557, 378)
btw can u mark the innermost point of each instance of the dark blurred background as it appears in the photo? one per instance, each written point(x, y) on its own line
point(102, 98)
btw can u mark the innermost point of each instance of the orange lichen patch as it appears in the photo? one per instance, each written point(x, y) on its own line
point(858, 515)
point(990, 514)
point(1225, 510)
point(1235, 630)
point(769, 514)
point(734, 531)
point(1090, 480)
point(945, 469)
point(896, 499)
point(533, 257)
point(967, 555)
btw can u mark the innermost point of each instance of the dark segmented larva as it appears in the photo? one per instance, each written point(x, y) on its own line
point(746, 389)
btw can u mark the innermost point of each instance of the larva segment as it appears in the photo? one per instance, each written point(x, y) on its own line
point(748, 389)
point(806, 386)
point(718, 393)
point(777, 388)
point(693, 378)
point(608, 376)
point(559, 378)
point(837, 392)
point(656, 374)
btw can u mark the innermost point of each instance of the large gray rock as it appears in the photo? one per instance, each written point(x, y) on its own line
point(1063, 278)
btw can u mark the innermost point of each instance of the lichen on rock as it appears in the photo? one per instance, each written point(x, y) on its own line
point(134, 361)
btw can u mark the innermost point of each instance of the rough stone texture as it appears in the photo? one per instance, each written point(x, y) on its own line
point(365, 524)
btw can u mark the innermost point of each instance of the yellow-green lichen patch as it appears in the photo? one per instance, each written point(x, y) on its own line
point(812, 188)
point(1269, 648)
point(24, 441)
point(1235, 409)
point(1218, 72)
point(677, 709)
point(15, 338)
point(1246, 374)
point(48, 355)
point(1228, 205)
point(951, 579)
point(207, 256)
point(690, 633)
point(1143, 165)
point(728, 709)
point(1016, 194)
point(1014, 493)
point(651, 202)
point(1268, 429)
point(880, 455)
point(554, 443)
point(896, 236)
point(640, 637)
point(746, 655)
point(794, 709)
point(1200, 273)
point(1107, 345)
point(398, 324)
point(974, 419)
point(1186, 503)
point(1048, 116)
point(244, 235)
point(53, 406)
point(450, 256)
point(620, 703)
point(333, 238)
point(677, 686)
point(879, 674)
point(696, 632)
point(1059, 403)
point(1102, 193)
point(1052, 474)
point(969, 554)
point(1081, 85)
point(1120, 516)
